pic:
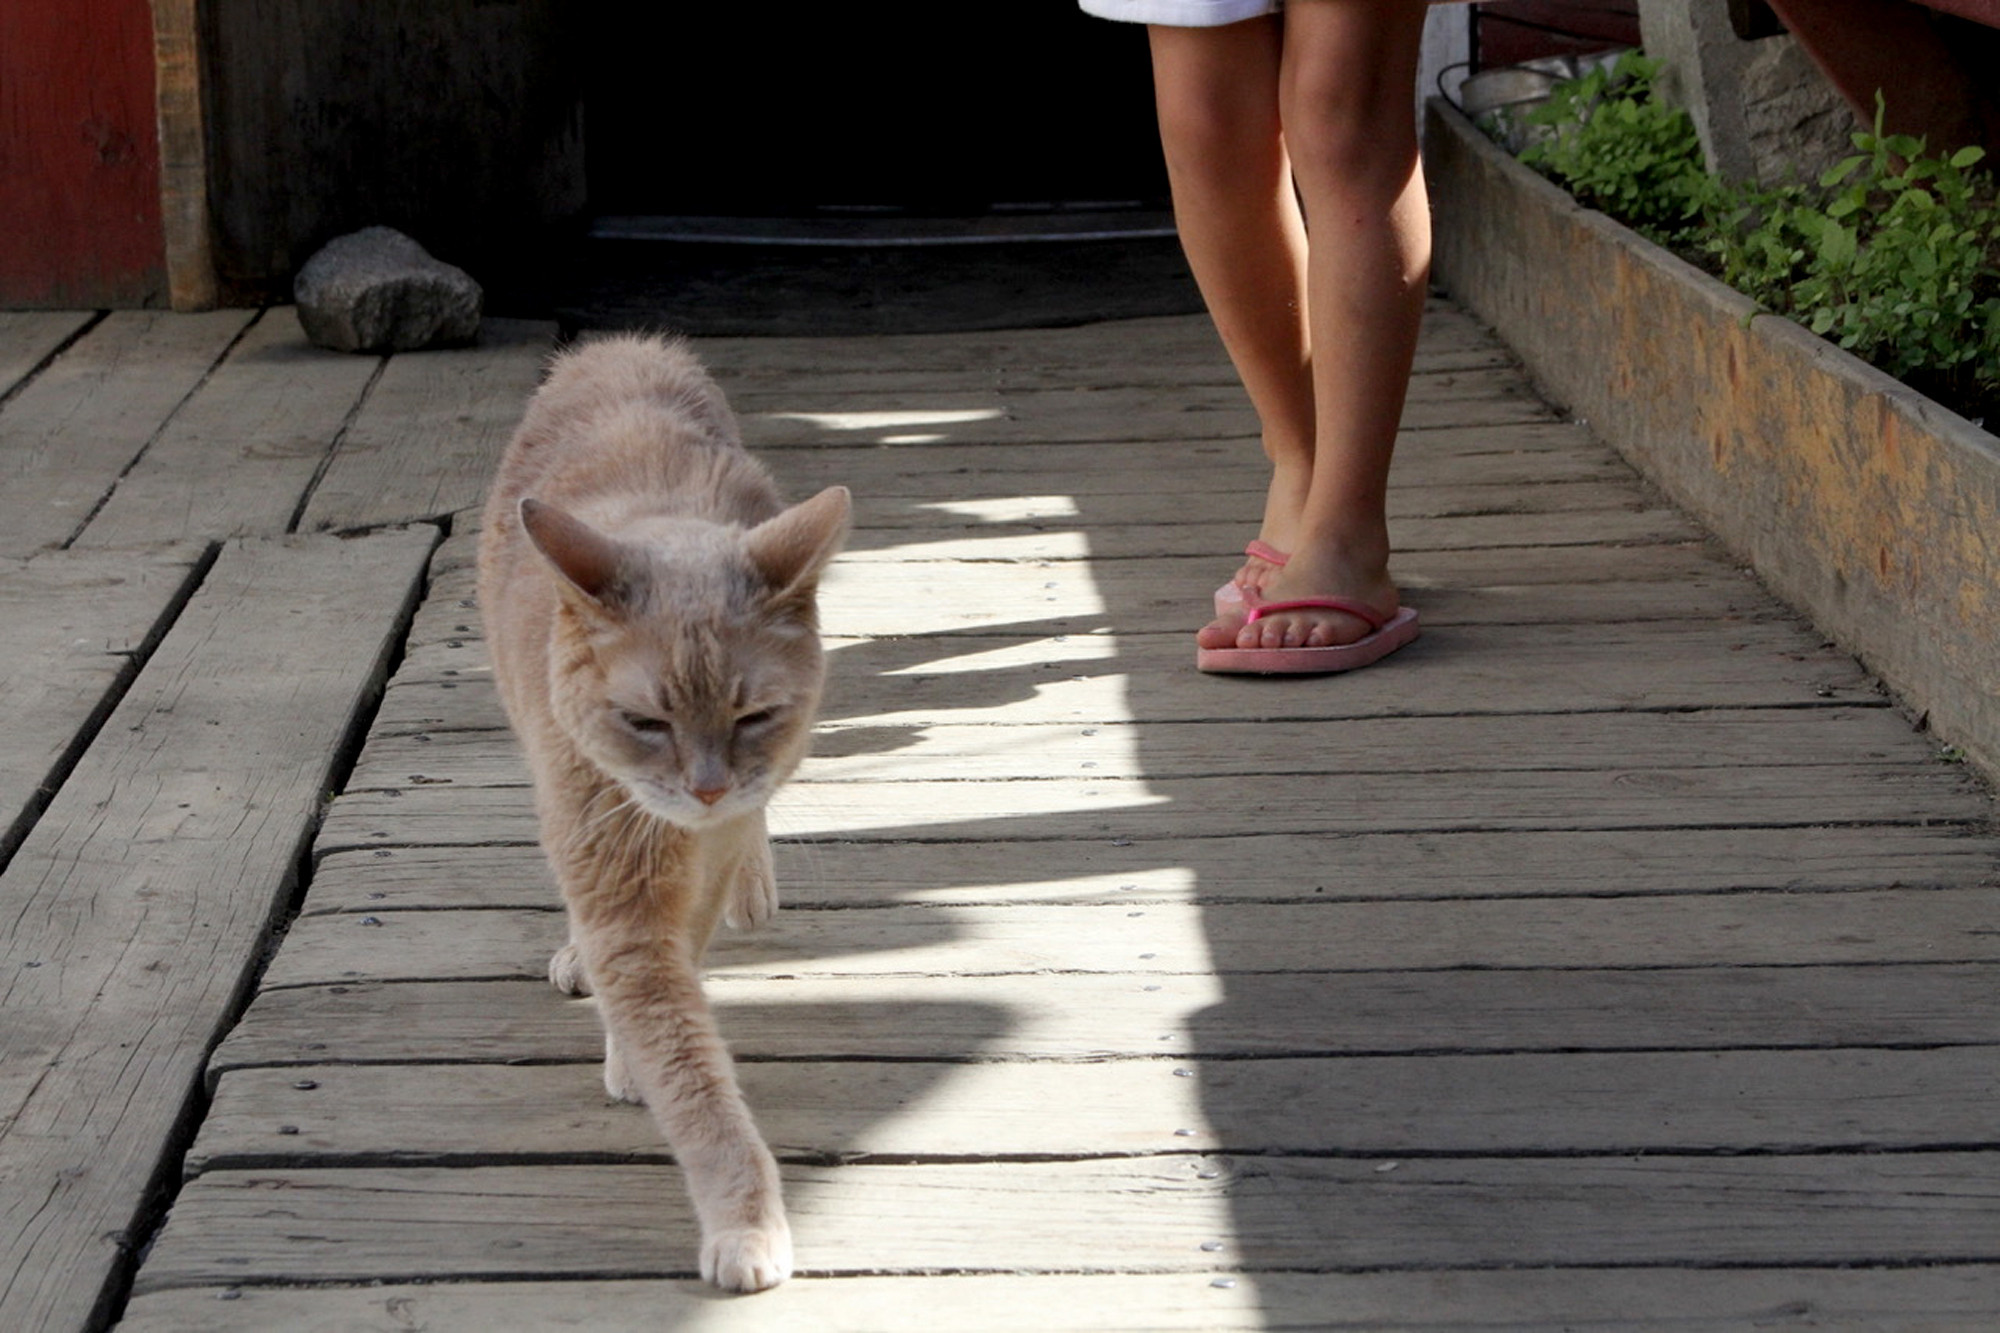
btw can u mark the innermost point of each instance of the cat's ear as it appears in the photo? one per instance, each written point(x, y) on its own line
point(592, 562)
point(791, 549)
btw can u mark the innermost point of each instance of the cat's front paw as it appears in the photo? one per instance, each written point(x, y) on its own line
point(753, 899)
point(566, 972)
point(748, 1258)
point(618, 1080)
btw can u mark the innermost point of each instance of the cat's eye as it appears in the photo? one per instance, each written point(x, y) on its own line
point(644, 724)
point(762, 717)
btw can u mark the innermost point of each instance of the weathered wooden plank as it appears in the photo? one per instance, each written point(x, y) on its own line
point(1451, 1301)
point(77, 627)
point(1551, 585)
point(1233, 508)
point(1098, 1017)
point(29, 337)
point(1139, 525)
point(241, 455)
point(1360, 1106)
point(141, 897)
point(1702, 930)
point(1156, 363)
point(1086, 471)
point(1001, 589)
point(70, 433)
point(795, 416)
point(1111, 352)
point(1241, 867)
point(1490, 381)
point(1310, 803)
point(1157, 1214)
point(844, 752)
point(903, 683)
point(1148, 531)
point(427, 440)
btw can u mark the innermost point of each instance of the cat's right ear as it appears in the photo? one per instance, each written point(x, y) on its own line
point(593, 563)
point(791, 549)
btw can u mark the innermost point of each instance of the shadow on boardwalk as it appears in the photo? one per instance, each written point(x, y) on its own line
point(1614, 956)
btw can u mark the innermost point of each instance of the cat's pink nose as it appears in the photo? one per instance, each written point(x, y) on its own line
point(710, 795)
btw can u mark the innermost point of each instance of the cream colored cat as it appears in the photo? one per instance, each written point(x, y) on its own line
point(650, 608)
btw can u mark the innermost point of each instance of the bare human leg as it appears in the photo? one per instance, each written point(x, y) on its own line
point(1218, 99)
point(1344, 75)
point(1345, 88)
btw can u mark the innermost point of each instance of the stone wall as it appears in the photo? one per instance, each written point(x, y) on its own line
point(1762, 108)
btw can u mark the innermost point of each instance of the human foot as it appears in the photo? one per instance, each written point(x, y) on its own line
point(1384, 636)
point(1312, 617)
point(1263, 562)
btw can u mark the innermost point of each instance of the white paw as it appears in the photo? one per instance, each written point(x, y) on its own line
point(618, 1082)
point(566, 972)
point(748, 1258)
point(753, 899)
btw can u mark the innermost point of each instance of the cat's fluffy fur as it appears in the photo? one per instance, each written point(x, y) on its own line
point(649, 603)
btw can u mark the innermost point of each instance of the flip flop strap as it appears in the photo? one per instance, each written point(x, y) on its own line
point(1269, 554)
point(1376, 620)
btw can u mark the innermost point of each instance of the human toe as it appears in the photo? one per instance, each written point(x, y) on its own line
point(1223, 632)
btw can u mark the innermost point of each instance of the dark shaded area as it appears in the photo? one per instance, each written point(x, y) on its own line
point(1511, 31)
point(743, 110)
point(738, 290)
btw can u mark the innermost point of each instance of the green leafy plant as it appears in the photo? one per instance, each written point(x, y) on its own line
point(1894, 255)
point(1621, 150)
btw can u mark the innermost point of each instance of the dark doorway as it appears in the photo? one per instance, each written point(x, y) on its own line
point(891, 167)
point(739, 110)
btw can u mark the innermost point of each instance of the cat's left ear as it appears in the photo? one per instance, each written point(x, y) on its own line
point(592, 562)
point(791, 549)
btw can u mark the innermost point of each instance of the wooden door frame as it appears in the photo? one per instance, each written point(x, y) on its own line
point(184, 215)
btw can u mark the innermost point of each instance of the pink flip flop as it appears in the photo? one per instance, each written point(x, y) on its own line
point(1386, 635)
point(1229, 597)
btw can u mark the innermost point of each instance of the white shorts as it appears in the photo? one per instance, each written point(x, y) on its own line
point(1180, 13)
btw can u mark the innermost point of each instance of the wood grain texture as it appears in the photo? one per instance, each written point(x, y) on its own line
point(428, 438)
point(1242, 867)
point(68, 435)
point(1622, 926)
point(1584, 1299)
point(1667, 1101)
point(1097, 1017)
point(1145, 1215)
point(143, 893)
point(187, 234)
point(1167, 350)
point(1014, 675)
point(957, 417)
point(1087, 470)
point(1705, 930)
point(241, 454)
point(30, 337)
point(78, 627)
point(847, 752)
point(1318, 805)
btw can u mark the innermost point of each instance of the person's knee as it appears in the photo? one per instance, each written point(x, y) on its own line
point(1350, 140)
point(1216, 134)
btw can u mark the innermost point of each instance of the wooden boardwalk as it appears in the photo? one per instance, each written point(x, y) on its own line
point(1617, 956)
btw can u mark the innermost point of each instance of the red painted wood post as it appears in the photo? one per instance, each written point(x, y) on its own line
point(79, 156)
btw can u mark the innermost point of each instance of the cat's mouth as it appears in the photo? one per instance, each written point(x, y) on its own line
point(687, 809)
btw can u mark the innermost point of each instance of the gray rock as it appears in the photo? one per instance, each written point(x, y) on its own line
point(376, 290)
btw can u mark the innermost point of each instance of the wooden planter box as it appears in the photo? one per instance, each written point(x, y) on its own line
point(1858, 500)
